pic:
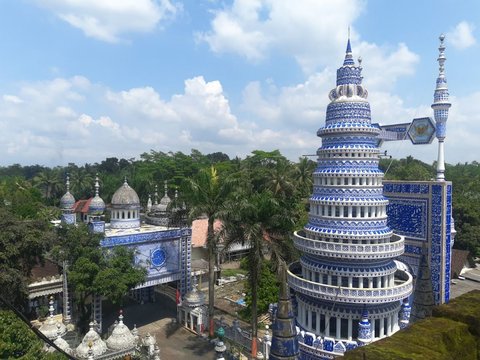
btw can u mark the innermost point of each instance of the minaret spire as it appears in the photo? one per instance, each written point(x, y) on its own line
point(440, 108)
point(348, 52)
point(97, 186)
point(67, 183)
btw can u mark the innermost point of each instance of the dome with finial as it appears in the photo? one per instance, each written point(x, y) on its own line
point(67, 202)
point(61, 342)
point(164, 201)
point(194, 298)
point(51, 328)
point(98, 346)
point(125, 196)
point(121, 338)
point(97, 205)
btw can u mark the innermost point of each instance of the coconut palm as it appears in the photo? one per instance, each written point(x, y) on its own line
point(206, 195)
point(48, 181)
point(258, 221)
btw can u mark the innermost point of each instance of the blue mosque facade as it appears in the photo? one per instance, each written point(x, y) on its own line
point(367, 242)
point(163, 250)
point(348, 286)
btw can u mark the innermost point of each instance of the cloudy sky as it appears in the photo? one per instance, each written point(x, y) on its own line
point(81, 80)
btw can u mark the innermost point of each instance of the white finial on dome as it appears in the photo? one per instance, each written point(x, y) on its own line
point(67, 183)
point(97, 186)
point(165, 187)
point(155, 196)
point(125, 182)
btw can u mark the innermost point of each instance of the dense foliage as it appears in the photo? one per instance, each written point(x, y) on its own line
point(17, 341)
point(23, 244)
point(92, 270)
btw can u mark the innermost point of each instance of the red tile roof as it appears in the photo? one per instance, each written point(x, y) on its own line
point(199, 231)
point(82, 205)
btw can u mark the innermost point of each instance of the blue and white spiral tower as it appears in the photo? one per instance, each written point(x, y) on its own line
point(347, 277)
point(440, 107)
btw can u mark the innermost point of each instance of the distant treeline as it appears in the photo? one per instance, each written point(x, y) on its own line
point(47, 185)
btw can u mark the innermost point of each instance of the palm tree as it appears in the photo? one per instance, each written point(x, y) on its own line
point(48, 181)
point(206, 195)
point(304, 175)
point(257, 220)
point(81, 182)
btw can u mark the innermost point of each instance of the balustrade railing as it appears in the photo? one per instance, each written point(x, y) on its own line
point(350, 251)
point(351, 295)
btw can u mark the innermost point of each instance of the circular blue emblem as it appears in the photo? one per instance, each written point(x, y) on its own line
point(158, 257)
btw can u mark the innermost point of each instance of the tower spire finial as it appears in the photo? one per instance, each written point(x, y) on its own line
point(440, 108)
point(97, 186)
point(67, 183)
point(348, 53)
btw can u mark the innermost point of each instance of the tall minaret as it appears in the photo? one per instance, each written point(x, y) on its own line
point(440, 108)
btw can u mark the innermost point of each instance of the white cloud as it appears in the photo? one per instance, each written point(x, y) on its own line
point(462, 36)
point(313, 32)
point(108, 20)
point(73, 120)
point(12, 99)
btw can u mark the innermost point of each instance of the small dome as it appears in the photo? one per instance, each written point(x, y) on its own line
point(125, 195)
point(91, 337)
point(121, 338)
point(97, 206)
point(52, 328)
point(194, 297)
point(67, 201)
point(149, 340)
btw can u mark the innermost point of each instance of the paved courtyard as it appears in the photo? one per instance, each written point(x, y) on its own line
point(471, 282)
point(157, 318)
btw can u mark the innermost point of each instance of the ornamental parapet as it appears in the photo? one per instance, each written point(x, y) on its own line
point(399, 291)
point(388, 250)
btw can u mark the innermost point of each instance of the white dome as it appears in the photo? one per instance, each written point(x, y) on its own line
point(121, 338)
point(125, 196)
point(98, 345)
point(52, 328)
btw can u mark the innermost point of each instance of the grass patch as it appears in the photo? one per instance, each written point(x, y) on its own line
point(233, 272)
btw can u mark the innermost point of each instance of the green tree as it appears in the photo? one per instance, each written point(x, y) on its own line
point(206, 195)
point(93, 270)
point(23, 244)
point(48, 181)
point(258, 221)
point(17, 341)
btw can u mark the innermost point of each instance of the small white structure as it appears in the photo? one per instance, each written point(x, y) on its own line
point(51, 327)
point(193, 311)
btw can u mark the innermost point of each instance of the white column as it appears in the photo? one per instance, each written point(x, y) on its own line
point(349, 328)
point(389, 325)
point(374, 335)
point(441, 161)
point(339, 324)
point(360, 282)
point(309, 320)
point(370, 283)
point(350, 282)
point(327, 325)
point(349, 211)
point(329, 279)
point(317, 330)
point(382, 329)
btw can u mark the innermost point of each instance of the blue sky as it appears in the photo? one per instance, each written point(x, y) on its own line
point(81, 80)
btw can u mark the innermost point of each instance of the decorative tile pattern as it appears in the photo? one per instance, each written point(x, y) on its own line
point(408, 217)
